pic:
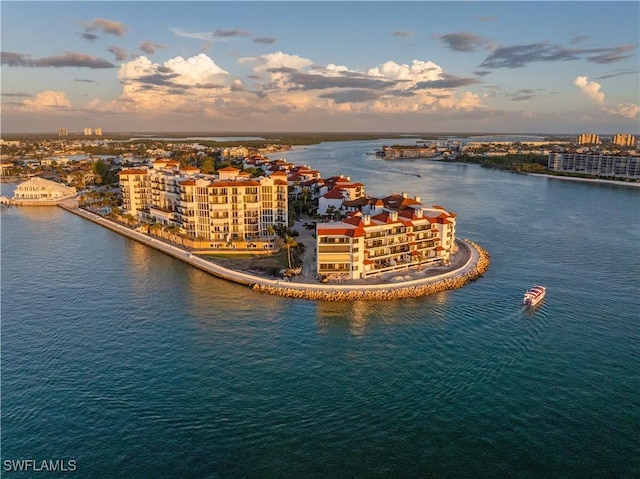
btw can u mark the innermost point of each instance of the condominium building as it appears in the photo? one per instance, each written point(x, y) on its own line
point(623, 166)
point(588, 139)
point(87, 132)
point(63, 132)
point(98, 131)
point(623, 139)
point(233, 210)
point(387, 240)
point(227, 210)
point(135, 187)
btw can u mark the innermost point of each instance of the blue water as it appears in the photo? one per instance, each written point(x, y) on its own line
point(136, 365)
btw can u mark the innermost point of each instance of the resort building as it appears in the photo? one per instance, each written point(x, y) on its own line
point(41, 190)
point(392, 238)
point(622, 166)
point(227, 210)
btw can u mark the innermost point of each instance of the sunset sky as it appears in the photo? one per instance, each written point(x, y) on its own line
point(525, 67)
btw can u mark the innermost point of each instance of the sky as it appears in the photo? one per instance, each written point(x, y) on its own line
point(423, 66)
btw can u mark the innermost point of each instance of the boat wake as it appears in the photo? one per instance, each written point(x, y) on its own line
point(507, 336)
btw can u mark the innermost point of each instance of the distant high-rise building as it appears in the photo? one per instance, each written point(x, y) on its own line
point(98, 131)
point(624, 139)
point(62, 132)
point(87, 132)
point(588, 139)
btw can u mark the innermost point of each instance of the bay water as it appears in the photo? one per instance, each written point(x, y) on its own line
point(136, 365)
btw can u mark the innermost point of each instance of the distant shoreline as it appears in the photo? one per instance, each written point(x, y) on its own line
point(588, 180)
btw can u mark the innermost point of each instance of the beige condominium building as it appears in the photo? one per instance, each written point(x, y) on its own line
point(226, 210)
point(385, 241)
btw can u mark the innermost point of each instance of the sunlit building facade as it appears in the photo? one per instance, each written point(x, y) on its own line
point(226, 210)
point(385, 241)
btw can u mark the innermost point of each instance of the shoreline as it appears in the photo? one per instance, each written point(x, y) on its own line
point(474, 268)
point(588, 180)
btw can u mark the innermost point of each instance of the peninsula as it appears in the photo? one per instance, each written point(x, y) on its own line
point(227, 215)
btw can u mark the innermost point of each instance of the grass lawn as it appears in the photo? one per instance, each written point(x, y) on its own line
point(268, 264)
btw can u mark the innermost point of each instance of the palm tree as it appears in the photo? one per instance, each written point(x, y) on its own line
point(289, 243)
point(271, 231)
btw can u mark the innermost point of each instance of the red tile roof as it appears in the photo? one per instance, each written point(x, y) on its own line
point(334, 194)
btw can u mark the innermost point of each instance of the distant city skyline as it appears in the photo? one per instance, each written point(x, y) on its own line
point(536, 67)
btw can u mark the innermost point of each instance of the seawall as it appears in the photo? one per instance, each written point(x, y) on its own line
point(473, 269)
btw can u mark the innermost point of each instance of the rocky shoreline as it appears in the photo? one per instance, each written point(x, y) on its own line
point(394, 293)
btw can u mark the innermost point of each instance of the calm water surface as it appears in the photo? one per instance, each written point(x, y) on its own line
point(138, 366)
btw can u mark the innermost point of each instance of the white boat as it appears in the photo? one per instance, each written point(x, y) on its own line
point(534, 295)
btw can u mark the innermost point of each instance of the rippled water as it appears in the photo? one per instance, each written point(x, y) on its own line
point(137, 365)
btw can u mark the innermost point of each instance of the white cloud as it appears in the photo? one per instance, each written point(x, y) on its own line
point(418, 71)
point(285, 85)
point(277, 60)
point(591, 89)
point(47, 100)
point(194, 70)
point(627, 110)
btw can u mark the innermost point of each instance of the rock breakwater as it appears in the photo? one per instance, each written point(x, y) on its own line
point(394, 291)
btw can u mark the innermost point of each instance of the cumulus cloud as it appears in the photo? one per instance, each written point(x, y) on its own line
point(418, 71)
point(286, 83)
point(47, 100)
point(193, 84)
point(67, 59)
point(627, 110)
point(591, 89)
point(274, 61)
point(110, 27)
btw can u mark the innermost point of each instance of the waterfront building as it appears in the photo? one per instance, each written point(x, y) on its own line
point(398, 234)
point(41, 190)
point(233, 210)
point(623, 139)
point(402, 152)
point(588, 139)
point(135, 187)
point(226, 210)
point(622, 166)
